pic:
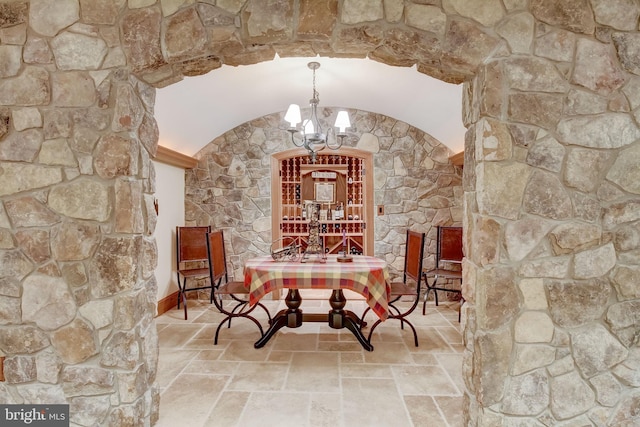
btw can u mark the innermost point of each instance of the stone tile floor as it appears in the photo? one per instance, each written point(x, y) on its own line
point(312, 375)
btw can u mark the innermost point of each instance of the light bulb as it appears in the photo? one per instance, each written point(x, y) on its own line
point(293, 115)
point(342, 121)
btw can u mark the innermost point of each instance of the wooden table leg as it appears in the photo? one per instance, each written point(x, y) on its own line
point(290, 317)
point(340, 318)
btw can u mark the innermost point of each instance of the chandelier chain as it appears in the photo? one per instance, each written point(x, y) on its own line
point(316, 95)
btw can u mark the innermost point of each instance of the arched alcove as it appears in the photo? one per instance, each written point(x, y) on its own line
point(412, 177)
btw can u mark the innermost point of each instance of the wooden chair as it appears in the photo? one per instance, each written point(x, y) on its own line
point(410, 285)
point(448, 253)
point(235, 290)
point(192, 263)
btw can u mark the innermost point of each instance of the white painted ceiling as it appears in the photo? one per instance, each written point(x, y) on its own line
point(196, 110)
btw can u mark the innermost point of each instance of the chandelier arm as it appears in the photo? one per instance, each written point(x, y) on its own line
point(293, 139)
point(339, 139)
point(322, 147)
point(338, 142)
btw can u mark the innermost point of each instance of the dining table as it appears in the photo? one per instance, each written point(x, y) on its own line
point(365, 275)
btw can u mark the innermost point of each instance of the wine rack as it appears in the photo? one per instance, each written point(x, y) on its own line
point(294, 181)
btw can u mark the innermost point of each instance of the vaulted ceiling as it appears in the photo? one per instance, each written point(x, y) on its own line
point(196, 110)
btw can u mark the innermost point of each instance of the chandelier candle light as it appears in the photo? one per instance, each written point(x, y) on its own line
point(311, 136)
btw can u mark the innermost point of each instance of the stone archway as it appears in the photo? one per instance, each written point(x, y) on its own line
point(551, 195)
point(231, 189)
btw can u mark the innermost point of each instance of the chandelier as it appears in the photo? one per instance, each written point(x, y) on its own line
point(311, 135)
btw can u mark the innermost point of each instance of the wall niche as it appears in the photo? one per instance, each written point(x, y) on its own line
point(413, 179)
point(340, 182)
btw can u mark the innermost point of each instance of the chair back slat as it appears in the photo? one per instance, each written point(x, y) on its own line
point(217, 256)
point(414, 255)
point(191, 261)
point(238, 293)
point(192, 243)
point(450, 244)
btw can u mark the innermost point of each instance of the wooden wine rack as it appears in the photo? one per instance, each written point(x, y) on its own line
point(294, 180)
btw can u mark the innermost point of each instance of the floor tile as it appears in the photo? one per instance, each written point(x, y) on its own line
point(368, 370)
point(228, 409)
point(300, 340)
point(177, 334)
point(388, 352)
point(243, 350)
point(171, 362)
point(214, 367)
point(424, 411)
point(423, 380)
point(430, 340)
point(372, 402)
point(312, 375)
point(276, 409)
point(452, 365)
point(325, 410)
point(181, 404)
point(451, 408)
point(314, 372)
point(252, 376)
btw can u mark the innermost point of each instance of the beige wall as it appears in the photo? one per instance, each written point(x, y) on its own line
point(170, 195)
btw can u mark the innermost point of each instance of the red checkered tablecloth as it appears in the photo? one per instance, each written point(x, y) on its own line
point(366, 275)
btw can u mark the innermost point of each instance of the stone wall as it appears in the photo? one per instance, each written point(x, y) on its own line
point(413, 178)
point(77, 252)
point(552, 219)
point(551, 201)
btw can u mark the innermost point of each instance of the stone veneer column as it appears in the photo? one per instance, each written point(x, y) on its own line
point(77, 252)
point(551, 224)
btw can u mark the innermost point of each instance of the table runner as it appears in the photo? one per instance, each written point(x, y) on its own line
point(366, 275)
